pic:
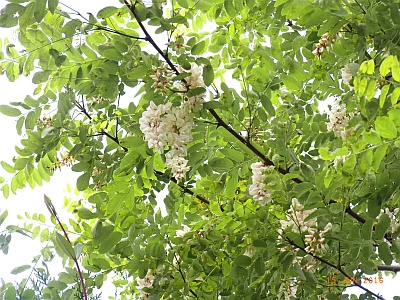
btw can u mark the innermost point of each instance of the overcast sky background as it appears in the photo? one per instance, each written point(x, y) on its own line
point(23, 249)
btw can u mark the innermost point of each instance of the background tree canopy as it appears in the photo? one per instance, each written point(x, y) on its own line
point(215, 103)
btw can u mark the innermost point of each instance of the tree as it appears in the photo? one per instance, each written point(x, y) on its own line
point(264, 195)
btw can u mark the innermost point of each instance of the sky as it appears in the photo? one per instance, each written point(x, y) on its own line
point(23, 249)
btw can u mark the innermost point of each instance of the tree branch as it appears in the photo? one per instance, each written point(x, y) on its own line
point(113, 138)
point(394, 269)
point(338, 268)
point(185, 189)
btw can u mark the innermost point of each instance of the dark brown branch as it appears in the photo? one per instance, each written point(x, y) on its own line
point(338, 268)
point(394, 269)
point(150, 39)
point(249, 145)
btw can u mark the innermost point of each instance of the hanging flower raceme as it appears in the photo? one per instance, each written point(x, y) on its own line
point(146, 282)
point(338, 121)
point(346, 75)
point(162, 77)
point(324, 43)
point(297, 218)
point(193, 81)
point(299, 222)
point(166, 126)
point(258, 188)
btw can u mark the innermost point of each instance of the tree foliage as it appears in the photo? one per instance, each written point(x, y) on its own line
point(211, 110)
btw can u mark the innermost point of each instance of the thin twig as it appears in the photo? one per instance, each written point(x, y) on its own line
point(53, 212)
point(104, 132)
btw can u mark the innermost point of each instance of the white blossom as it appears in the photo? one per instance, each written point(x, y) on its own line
point(288, 288)
point(178, 167)
point(166, 126)
point(182, 232)
point(346, 75)
point(145, 282)
point(193, 81)
point(196, 77)
point(297, 216)
point(315, 239)
point(258, 188)
point(338, 121)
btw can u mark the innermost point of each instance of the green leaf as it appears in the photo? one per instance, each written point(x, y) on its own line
point(385, 66)
point(82, 183)
point(65, 246)
point(384, 253)
point(267, 104)
point(108, 243)
point(238, 272)
point(242, 261)
point(385, 127)
point(371, 89)
point(199, 48)
point(221, 164)
point(291, 83)
point(28, 294)
point(299, 271)
point(382, 96)
point(302, 188)
point(107, 12)
point(379, 154)
point(52, 4)
point(395, 96)
point(20, 269)
point(382, 226)
point(396, 69)
point(11, 294)
point(3, 216)
point(112, 54)
point(9, 111)
point(86, 213)
point(233, 154)
point(215, 208)
point(370, 67)
point(208, 75)
point(78, 248)
point(230, 9)
point(366, 230)
point(40, 10)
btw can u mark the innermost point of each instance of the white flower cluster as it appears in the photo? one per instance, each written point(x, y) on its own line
point(162, 77)
point(288, 288)
point(182, 232)
point(315, 239)
point(167, 126)
point(193, 81)
point(297, 221)
point(324, 42)
point(338, 121)
point(258, 188)
point(145, 282)
point(297, 216)
point(346, 75)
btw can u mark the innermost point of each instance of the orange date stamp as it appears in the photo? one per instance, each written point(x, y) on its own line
point(331, 280)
